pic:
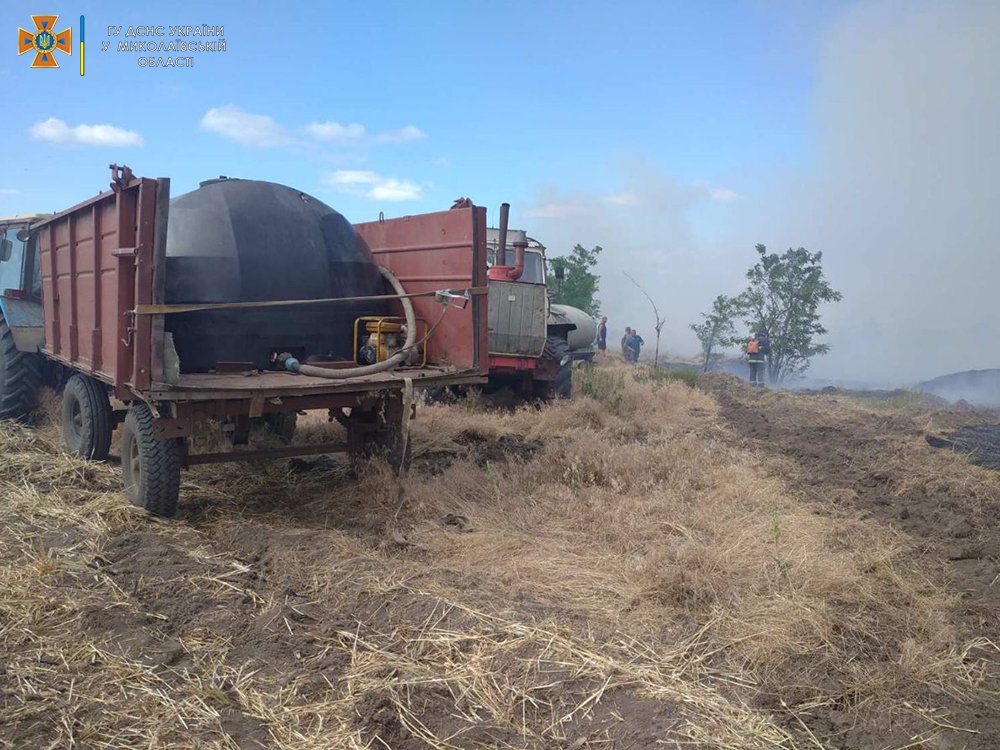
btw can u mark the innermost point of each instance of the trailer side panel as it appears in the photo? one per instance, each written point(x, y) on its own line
point(442, 250)
point(96, 261)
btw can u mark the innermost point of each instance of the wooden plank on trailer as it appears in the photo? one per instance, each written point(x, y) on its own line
point(125, 270)
point(157, 322)
point(141, 349)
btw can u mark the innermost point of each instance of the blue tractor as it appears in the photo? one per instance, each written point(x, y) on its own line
point(21, 321)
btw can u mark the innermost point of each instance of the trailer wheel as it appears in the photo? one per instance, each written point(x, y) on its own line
point(387, 442)
point(281, 424)
point(370, 437)
point(87, 421)
point(20, 377)
point(151, 467)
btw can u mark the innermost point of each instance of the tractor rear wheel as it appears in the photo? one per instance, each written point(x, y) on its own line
point(557, 349)
point(151, 467)
point(20, 378)
point(87, 421)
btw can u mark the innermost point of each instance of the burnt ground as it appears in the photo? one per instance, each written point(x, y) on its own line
point(981, 443)
point(882, 465)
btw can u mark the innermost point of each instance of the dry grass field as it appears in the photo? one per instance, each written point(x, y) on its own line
point(648, 565)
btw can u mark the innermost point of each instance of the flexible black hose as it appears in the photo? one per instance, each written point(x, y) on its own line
point(290, 363)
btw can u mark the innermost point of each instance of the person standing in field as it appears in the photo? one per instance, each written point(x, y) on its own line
point(635, 346)
point(625, 338)
point(602, 334)
point(755, 358)
point(764, 340)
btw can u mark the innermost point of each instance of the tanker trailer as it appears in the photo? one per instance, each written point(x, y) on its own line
point(581, 337)
point(240, 302)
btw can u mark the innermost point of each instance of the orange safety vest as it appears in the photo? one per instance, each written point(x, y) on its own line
point(753, 346)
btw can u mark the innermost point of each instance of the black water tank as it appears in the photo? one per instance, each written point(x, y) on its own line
point(242, 240)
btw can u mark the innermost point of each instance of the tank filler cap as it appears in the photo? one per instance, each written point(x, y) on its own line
point(220, 178)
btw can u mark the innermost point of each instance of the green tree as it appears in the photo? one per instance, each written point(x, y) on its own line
point(717, 330)
point(783, 299)
point(578, 285)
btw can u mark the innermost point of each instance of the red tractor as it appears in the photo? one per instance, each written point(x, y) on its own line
point(532, 342)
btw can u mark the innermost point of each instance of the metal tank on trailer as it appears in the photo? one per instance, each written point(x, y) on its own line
point(234, 240)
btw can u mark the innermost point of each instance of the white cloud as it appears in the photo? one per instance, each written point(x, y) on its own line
point(334, 131)
point(622, 199)
point(9, 191)
point(245, 127)
point(373, 185)
point(263, 131)
point(554, 211)
point(724, 194)
point(55, 130)
point(405, 134)
point(356, 133)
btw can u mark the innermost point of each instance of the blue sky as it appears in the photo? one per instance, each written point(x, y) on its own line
point(675, 135)
point(496, 99)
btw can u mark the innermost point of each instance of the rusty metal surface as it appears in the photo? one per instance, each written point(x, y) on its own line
point(96, 261)
point(435, 251)
point(289, 452)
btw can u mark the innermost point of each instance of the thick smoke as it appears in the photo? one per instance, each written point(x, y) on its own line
point(646, 230)
point(905, 201)
point(902, 198)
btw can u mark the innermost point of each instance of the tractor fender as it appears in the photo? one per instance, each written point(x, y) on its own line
point(560, 329)
point(26, 321)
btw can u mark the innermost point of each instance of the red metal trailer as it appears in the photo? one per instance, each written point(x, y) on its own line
point(102, 268)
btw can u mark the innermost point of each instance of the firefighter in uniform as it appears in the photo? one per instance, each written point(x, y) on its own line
point(755, 357)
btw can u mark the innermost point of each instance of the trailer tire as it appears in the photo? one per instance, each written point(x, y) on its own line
point(281, 424)
point(20, 378)
point(151, 467)
point(87, 421)
point(387, 443)
point(383, 442)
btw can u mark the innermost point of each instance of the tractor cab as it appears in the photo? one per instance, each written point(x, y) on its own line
point(21, 281)
point(20, 271)
point(534, 255)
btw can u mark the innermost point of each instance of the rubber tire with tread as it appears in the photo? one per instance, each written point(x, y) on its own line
point(385, 442)
point(20, 378)
point(87, 421)
point(556, 348)
point(151, 467)
point(281, 424)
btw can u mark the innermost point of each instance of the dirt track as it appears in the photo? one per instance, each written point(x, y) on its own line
point(880, 466)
